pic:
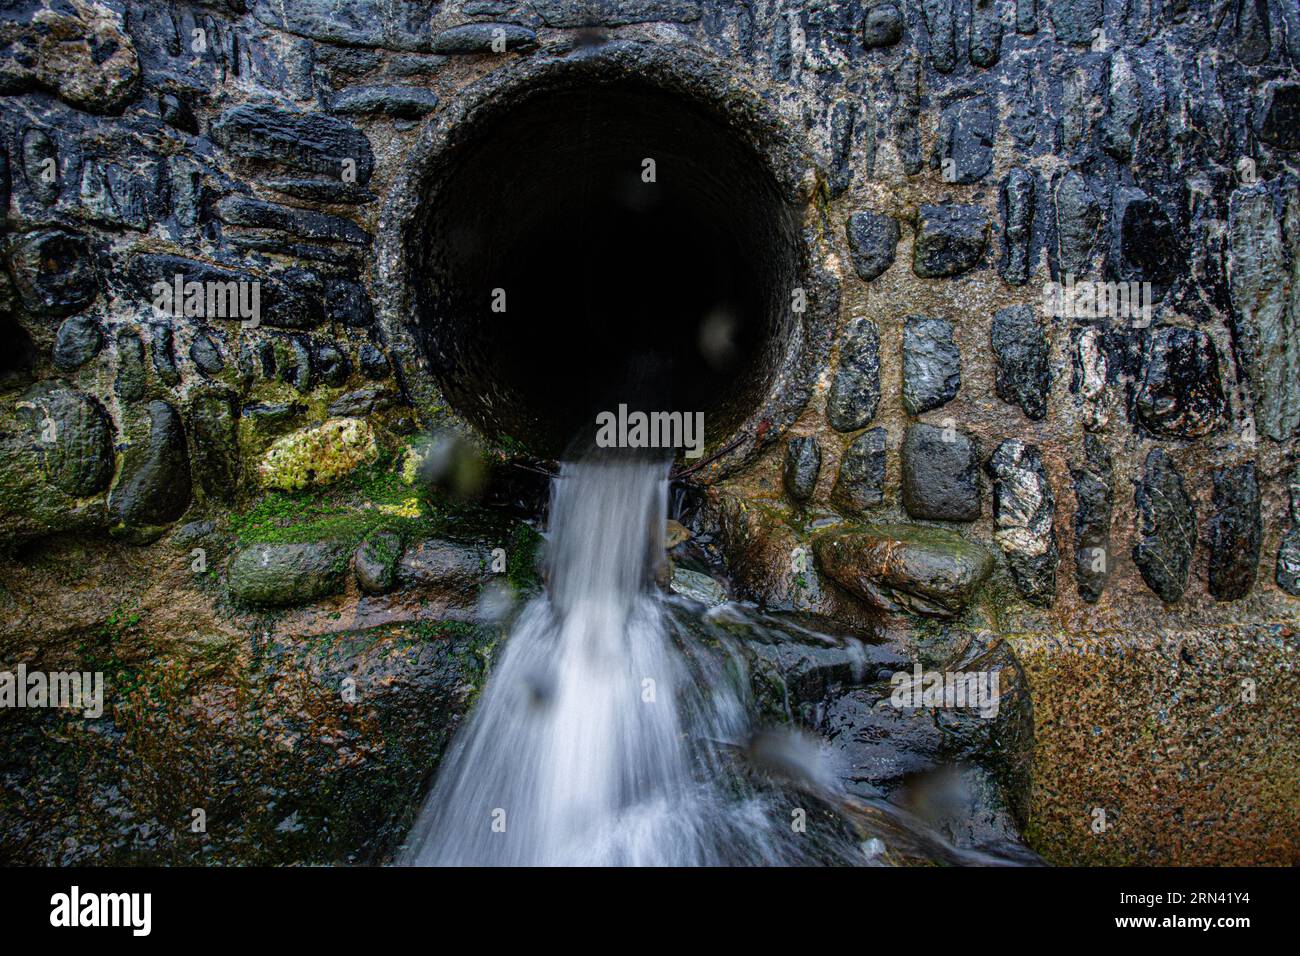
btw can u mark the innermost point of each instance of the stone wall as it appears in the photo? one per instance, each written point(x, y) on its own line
point(1063, 481)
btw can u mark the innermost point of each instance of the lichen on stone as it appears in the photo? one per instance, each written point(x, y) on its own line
point(319, 455)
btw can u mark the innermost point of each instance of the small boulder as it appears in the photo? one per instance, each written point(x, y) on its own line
point(861, 481)
point(940, 474)
point(376, 562)
point(803, 462)
point(931, 364)
point(950, 240)
point(284, 575)
point(912, 568)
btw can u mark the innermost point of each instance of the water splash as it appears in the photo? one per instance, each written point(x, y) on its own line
point(610, 733)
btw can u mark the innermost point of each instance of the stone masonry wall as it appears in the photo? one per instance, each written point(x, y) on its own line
point(967, 460)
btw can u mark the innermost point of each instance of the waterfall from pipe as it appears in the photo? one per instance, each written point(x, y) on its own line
point(594, 742)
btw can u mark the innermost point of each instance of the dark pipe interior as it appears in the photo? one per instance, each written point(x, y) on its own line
point(667, 295)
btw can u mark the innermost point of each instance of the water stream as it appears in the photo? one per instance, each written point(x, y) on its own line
point(609, 734)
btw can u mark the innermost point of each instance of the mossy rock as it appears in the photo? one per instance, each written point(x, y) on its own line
point(284, 575)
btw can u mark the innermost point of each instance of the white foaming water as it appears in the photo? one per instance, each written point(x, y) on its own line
point(594, 743)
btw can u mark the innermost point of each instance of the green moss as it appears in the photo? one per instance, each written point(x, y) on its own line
point(521, 560)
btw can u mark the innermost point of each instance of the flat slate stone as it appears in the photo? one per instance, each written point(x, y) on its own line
point(479, 38)
point(305, 143)
point(940, 474)
point(1094, 499)
point(401, 102)
point(1235, 532)
point(1166, 527)
point(855, 391)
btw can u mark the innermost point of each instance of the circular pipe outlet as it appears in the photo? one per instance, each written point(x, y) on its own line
point(619, 226)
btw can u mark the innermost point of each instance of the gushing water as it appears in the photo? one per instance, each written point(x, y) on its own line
point(592, 743)
point(614, 728)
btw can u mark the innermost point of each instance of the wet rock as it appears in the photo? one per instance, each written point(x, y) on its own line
point(330, 364)
point(133, 198)
point(1019, 343)
point(905, 568)
point(1027, 16)
point(882, 26)
point(1234, 532)
point(803, 462)
point(163, 349)
point(1078, 219)
point(376, 562)
point(1075, 21)
point(40, 166)
point(877, 745)
point(855, 391)
point(964, 148)
point(844, 116)
point(296, 367)
point(303, 143)
point(1293, 490)
point(373, 362)
point(177, 113)
point(360, 402)
point(1119, 128)
point(941, 22)
point(873, 239)
point(402, 102)
point(940, 474)
point(985, 32)
point(861, 481)
point(79, 340)
point(950, 240)
point(81, 53)
point(73, 436)
point(346, 302)
point(931, 364)
point(453, 570)
point(1023, 511)
point(1144, 245)
point(697, 587)
point(291, 299)
point(358, 23)
point(1179, 394)
point(1277, 121)
point(153, 489)
point(1288, 563)
point(53, 272)
point(1088, 380)
point(132, 379)
point(266, 419)
point(285, 575)
point(485, 38)
point(322, 190)
point(1018, 217)
point(1093, 493)
point(214, 426)
point(205, 352)
point(612, 13)
point(1260, 271)
point(1166, 527)
point(303, 223)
